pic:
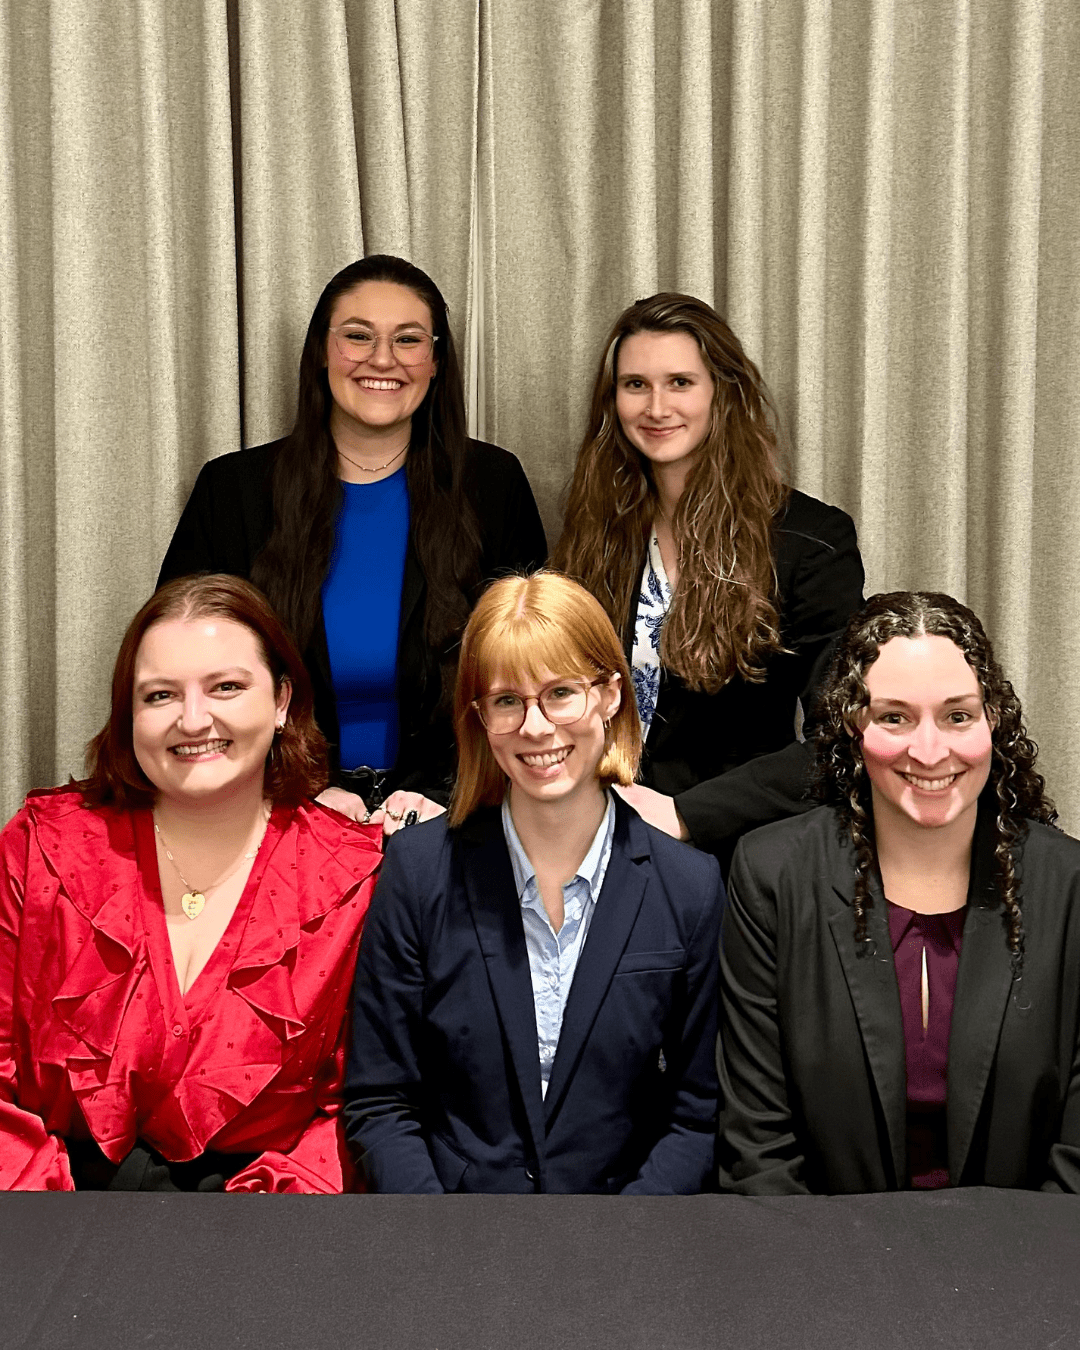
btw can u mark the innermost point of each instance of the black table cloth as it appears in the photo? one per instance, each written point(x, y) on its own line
point(971, 1268)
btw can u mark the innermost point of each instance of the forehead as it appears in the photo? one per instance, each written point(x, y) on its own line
point(383, 303)
point(182, 648)
point(921, 669)
point(659, 353)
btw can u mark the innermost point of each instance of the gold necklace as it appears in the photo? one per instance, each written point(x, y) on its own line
point(193, 900)
point(363, 467)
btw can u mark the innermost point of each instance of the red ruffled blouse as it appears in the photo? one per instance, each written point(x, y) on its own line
point(96, 1039)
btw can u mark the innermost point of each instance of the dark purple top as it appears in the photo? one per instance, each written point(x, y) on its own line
point(926, 1050)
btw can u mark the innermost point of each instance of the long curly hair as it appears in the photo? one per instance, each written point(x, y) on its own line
point(723, 618)
point(307, 492)
point(842, 781)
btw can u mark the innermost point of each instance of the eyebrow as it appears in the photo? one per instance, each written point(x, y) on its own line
point(214, 675)
point(369, 323)
point(901, 703)
point(668, 375)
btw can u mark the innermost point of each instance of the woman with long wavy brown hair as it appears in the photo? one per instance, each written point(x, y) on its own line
point(900, 968)
point(726, 584)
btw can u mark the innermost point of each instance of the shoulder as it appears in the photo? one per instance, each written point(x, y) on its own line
point(792, 851)
point(339, 834)
point(1047, 852)
point(424, 849)
point(681, 862)
point(806, 523)
point(66, 809)
point(240, 469)
point(493, 471)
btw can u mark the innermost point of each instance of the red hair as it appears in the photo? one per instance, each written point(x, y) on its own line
point(520, 626)
point(296, 767)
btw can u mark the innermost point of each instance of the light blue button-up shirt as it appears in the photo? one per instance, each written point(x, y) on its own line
point(553, 957)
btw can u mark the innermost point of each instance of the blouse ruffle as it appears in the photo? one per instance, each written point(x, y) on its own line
point(95, 1035)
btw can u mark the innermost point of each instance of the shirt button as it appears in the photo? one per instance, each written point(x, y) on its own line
point(530, 1172)
point(178, 1030)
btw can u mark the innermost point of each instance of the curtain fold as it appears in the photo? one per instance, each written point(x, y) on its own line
point(882, 197)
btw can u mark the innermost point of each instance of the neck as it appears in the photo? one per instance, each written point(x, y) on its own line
point(924, 868)
point(380, 450)
point(556, 835)
point(670, 480)
point(231, 819)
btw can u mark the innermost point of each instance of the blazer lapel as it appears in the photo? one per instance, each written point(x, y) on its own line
point(871, 980)
point(983, 981)
point(489, 887)
point(616, 912)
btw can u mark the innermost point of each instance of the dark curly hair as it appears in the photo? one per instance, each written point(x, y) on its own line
point(841, 776)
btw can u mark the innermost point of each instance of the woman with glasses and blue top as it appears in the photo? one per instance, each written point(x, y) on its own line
point(371, 528)
point(536, 994)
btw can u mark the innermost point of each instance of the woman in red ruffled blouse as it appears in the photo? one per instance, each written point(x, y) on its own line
point(178, 932)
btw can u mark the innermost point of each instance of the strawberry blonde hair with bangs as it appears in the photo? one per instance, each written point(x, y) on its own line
point(526, 627)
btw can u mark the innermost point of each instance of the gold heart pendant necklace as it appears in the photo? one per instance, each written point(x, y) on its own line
point(193, 901)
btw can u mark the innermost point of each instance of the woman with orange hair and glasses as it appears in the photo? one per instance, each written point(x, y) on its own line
point(537, 982)
point(726, 585)
point(178, 931)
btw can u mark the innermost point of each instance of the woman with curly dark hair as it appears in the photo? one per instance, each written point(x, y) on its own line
point(372, 528)
point(900, 967)
point(726, 585)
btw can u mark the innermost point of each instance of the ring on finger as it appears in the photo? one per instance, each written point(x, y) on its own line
point(411, 817)
point(394, 815)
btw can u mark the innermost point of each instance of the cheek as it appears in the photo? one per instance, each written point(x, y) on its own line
point(499, 751)
point(880, 749)
point(977, 747)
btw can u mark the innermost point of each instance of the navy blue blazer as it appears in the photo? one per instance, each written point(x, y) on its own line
point(443, 1085)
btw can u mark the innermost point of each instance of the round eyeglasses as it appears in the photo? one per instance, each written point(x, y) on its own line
point(561, 702)
point(410, 348)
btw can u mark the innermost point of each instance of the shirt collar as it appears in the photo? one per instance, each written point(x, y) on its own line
point(591, 864)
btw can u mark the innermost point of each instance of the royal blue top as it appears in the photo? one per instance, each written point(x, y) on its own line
point(361, 599)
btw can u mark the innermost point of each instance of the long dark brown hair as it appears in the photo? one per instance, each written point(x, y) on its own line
point(723, 618)
point(842, 782)
point(296, 767)
point(307, 491)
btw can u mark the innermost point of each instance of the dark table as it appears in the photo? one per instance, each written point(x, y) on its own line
point(971, 1268)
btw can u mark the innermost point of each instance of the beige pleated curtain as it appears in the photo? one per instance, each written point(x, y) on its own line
point(883, 196)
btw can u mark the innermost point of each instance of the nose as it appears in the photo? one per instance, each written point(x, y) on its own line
point(195, 715)
point(383, 355)
point(535, 723)
point(655, 405)
point(928, 745)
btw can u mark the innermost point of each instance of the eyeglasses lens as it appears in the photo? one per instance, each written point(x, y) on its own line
point(561, 704)
point(358, 344)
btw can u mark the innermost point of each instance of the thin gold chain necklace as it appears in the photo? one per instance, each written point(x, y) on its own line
point(363, 467)
point(193, 900)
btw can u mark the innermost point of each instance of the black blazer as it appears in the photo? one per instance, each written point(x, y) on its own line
point(443, 1089)
point(731, 760)
point(228, 519)
point(811, 1049)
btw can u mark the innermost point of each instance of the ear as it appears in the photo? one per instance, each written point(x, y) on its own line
point(284, 698)
point(610, 697)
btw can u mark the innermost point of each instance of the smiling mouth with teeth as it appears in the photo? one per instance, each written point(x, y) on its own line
point(546, 759)
point(931, 784)
point(193, 751)
point(379, 384)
